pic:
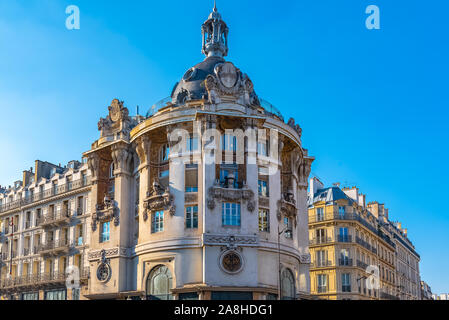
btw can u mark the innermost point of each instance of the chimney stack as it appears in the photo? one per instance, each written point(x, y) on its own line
point(314, 184)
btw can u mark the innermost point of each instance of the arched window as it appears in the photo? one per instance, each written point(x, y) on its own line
point(159, 283)
point(288, 285)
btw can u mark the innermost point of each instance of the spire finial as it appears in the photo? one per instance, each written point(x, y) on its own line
point(215, 35)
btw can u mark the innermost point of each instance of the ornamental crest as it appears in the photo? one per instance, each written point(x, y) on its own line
point(227, 74)
point(105, 212)
point(158, 198)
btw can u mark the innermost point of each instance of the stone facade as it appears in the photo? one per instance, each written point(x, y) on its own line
point(204, 198)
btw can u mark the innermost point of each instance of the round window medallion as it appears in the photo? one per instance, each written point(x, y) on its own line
point(189, 74)
point(103, 272)
point(231, 262)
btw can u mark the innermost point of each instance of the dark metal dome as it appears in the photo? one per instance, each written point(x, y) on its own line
point(192, 83)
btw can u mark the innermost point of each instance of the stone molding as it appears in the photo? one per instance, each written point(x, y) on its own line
point(230, 241)
point(98, 255)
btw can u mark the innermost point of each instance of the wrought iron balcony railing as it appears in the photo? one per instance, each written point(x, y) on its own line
point(362, 264)
point(59, 218)
point(320, 240)
point(345, 262)
point(56, 190)
point(54, 247)
point(321, 264)
point(344, 238)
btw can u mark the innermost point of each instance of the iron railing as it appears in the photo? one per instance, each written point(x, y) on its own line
point(51, 218)
point(69, 186)
point(344, 238)
point(320, 240)
point(321, 264)
point(345, 262)
point(40, 278)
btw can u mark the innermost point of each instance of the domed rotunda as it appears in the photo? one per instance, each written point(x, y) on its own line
point(203, 198)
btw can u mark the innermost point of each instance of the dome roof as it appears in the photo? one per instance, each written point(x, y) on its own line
point(192, 83)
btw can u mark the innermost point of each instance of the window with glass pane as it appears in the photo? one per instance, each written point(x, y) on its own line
point(320, 214)
point(320, 235)
point(321, 258)
point(165, 152)
point(344, 257)
point(230, 214)
point(105, 231)
point(225, 172)
point(322, 283)
point(288, 231)
point(263, 188)
point(264, 220)
point(159, 284)
point(262, 149)
point(191, 177)
point(341, 212)
point(192, 217)
point(344, 236)
point(229, 143)
point(192, 144)
point(157, 224)
point(346, 282)
point(288, 285)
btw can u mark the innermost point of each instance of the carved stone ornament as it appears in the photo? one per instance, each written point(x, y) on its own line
point(305, 258)
point(104, 270)
point(105, 212)
point(118, 120)
point(230, 84)
point(228, 194)
point(158, 198)
point(287, 207)
point(230, 242)
point(295, 127)
point(231, 262)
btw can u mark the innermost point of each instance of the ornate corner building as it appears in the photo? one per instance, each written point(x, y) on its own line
point(205, 197)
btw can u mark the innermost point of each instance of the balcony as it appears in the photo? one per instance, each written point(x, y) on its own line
point(321, 264)
point(344, 238)
point(387, 296)
point(345, 262)
point(38, 281)
point(55, 219)
point(54, 248)
point(322, 289)
point(320, 240)
point(26, 251)
point(363, 243)
point(345, 217)
point(362, 264)
point(70, 186)
point(3, 256)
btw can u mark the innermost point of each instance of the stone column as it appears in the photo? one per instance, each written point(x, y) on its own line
point(143, 151)
point(174, 221)
point(122, 157)
point(250, 222)
point(209, 145)
point(121, 228)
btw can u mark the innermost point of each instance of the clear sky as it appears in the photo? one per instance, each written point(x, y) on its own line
point(373, 104)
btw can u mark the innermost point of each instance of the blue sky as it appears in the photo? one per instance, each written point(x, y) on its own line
point(373, 104)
